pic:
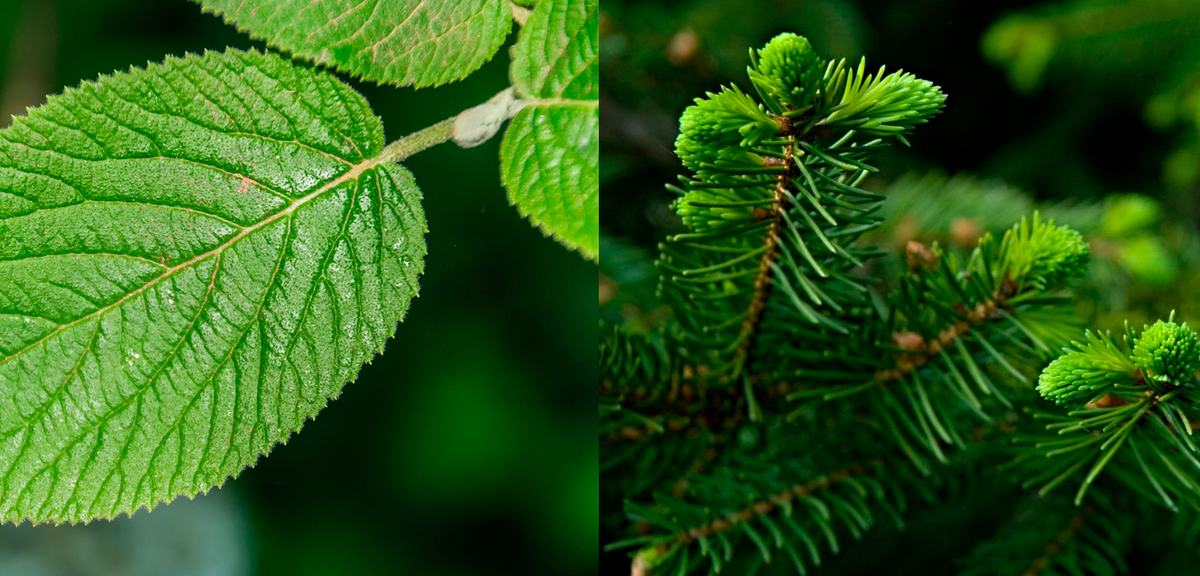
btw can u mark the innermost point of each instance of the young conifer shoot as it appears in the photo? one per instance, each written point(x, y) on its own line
point(797, 397)
point(1134, 410)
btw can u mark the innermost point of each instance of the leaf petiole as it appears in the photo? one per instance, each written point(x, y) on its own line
point(417, 141)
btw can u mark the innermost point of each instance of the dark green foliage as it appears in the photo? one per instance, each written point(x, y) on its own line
point(788, 403)
point(769, 197)
point(627, 284)
point(1142, 259)
point(1117, 449)
point(1051, 537)
point(948, 322)
point(628, 360)
point(767, 505)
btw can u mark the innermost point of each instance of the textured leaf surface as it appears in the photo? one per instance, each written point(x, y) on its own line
point(551, 151)
point(193, 259)
point(418, 42)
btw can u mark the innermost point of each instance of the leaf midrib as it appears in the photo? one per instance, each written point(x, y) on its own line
point(355, 171)
point(565, 102)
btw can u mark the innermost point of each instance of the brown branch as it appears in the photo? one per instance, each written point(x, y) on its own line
point(688, 401)
point(691, 426)
point(688, 387)
point(762, 281)
point(683, 399)
point(1109, 400)
point(759, 508)
point(917, 353)
point(634, 433)
point(1055, 545)
point(922, 352)
point(767, 505)
point(682, 403)
point(681, 486)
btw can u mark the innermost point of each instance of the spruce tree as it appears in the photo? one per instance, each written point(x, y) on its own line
point(801, 394)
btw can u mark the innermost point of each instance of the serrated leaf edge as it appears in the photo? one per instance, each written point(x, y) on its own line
point(333, 67)
point(355, 171)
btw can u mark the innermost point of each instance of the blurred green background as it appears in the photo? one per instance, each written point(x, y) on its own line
point(460, 451)
point(1088, 110)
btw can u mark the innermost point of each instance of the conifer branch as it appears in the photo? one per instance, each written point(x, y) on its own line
point(1134, 401)
point(769, 504)
point(643, 563)
point(635, 433)
point(680, 487)
point(915, 356)
point(922, 352)
point(766, 286)
point(682, 412)
point(1055, 546)
point(762, 281)
point(1052, 536)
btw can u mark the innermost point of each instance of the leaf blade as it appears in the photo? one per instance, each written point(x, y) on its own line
point(550, 153)
point(422, 43)
point(551, 168)
point(158, 368)
point(557, 55)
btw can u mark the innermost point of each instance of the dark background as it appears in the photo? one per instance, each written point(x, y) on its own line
point(465, 449)
point(1113, 106)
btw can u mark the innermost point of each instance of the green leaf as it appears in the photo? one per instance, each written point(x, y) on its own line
point(422, 43)
point(550, 165)
point(557, 55)
point(193, 258)
point(551, 150)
